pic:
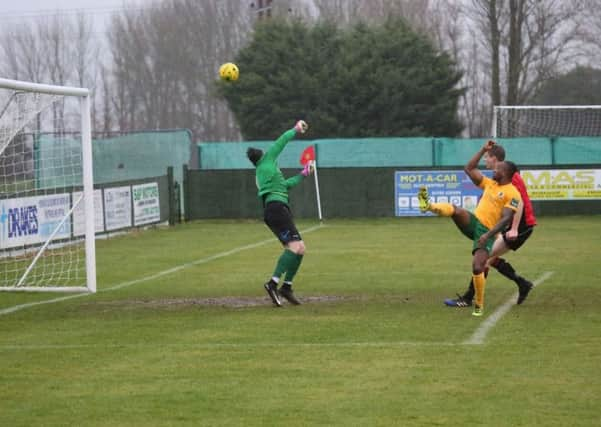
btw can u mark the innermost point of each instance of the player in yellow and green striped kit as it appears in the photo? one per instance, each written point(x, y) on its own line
point(273, 191)
point(492, 215)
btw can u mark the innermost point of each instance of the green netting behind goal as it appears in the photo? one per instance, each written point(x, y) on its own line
point(121, 158)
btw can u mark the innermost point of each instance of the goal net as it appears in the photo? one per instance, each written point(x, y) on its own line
point(46, 189)
point(546, 121)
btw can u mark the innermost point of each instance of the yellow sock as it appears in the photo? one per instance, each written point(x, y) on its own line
point(442, 209)
point(479, 283)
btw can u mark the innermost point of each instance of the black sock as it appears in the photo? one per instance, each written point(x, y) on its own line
point(506, 270)
point(469, 294)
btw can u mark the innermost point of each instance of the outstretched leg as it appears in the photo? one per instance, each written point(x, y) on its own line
point(460, 216)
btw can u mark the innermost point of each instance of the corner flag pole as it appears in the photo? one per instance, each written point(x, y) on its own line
point(314, 164)
point(309, 157)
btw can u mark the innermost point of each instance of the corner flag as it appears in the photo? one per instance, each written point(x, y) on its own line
point(308, 156)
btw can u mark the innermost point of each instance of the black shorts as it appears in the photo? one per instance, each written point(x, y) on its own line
point(278, 217)
point(524, 231)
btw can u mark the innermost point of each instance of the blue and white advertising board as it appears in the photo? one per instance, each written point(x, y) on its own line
point(32, 220)
point(448, 186)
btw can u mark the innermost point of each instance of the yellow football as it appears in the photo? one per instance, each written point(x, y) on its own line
point(229, 72)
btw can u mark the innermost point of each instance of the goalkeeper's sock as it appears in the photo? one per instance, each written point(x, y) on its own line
point(275, 280)
point(293, 268)
point(442, 209)
point(479, 284)
point(285, 262)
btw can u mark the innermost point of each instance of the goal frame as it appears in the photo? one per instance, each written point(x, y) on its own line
point(87, 176)
point(496, 108)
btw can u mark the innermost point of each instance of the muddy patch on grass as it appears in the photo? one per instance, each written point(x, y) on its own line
point(230, 302)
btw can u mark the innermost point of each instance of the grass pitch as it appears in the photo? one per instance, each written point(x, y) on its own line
point(181, 332)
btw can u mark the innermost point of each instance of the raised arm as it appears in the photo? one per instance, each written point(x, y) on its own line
point(275, 150)
point(471, 168)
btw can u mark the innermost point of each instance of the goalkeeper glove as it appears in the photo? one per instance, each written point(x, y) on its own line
point(301, 126)
point(307, 170)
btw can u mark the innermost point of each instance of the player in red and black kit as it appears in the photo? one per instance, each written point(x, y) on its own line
point(512, 238)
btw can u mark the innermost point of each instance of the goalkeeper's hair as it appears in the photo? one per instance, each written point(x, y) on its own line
point(254, 155)
point(498, 151)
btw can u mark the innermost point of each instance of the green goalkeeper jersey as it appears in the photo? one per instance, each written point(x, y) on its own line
point(270, 181)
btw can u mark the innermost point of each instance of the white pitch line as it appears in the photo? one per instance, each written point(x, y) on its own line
point(33, 304)
point(480, 334)
point(152, 276)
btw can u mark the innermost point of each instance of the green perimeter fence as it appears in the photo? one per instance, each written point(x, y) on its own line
point(344, 192)
point(356, 176)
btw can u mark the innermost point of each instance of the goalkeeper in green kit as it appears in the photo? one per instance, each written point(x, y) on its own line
point(273, 191)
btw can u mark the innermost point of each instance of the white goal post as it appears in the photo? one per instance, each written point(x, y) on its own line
point(546, 121)
point(46, 189)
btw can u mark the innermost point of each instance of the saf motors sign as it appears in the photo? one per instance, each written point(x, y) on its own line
point(146, 203)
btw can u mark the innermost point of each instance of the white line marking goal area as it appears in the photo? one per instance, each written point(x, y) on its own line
point(479, 335)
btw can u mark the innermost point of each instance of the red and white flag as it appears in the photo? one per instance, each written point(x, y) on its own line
point(308, 155)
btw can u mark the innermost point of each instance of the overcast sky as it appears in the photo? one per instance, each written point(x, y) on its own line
point(15, 10)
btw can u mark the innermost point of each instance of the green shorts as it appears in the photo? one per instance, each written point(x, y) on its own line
point(474, 230)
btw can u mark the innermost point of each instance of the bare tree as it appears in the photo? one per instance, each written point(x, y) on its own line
point(52, 33)
point(27, 62)
point(105, 125)
point(10, 64)
point(527, 42)
point(54, 49)
point(24, 55)
point(344, 12)
point(84, 54)
point(165, 63)
point(591, 32)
